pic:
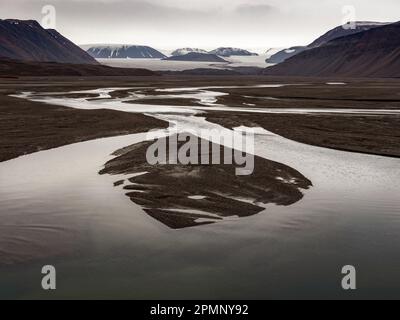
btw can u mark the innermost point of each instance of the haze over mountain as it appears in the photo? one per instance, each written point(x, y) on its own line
point(26, 40)
point(371, 53)
point(228, 52)
point(123, 52)
point(196, 56)
point(337, 32)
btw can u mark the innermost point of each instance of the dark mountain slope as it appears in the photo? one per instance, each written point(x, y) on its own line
point(28, 41)
point(371, 53)
point(341, 31)
point(335, 33)
point(14, 68)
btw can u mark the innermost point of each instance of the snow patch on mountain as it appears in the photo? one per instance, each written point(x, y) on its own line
point(123, 52)
point(183, 51)
point(228, 51)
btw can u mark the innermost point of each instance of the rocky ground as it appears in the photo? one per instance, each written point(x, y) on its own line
point(183, 196)
point(28, 126)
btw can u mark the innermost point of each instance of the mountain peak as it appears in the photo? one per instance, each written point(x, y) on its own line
point(123, 51)
point(335, 33)
point(342, 31)
point(371, 53)
point(183, 51)
point(26, 40)
point(230, 51)
point(369, 23)
point(16, 22)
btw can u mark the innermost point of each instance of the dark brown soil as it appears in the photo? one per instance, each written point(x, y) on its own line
point(358, 133)
point(13, 68)
point(384, 95)
point(378, 135)
point(25, 130)
point(166, 189)
point(27, 127)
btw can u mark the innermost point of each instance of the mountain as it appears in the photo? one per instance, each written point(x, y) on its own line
point(341, 31)
point(335, 33)
point(285, 54)
point(183, 51)
point(270, 51)
point(27, 40)
point(195, 56)
point(124, 52)
point(371, 53)
point(227, 52)
point(17, 68)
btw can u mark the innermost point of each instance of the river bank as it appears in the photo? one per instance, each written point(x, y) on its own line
point(30, 126)
point(57, 209)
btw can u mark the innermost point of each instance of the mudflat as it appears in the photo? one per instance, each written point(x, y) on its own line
point(27, 127)
point(182, 196)
point(379, 135)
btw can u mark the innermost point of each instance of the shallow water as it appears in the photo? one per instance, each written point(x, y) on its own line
point(56, 209)
point(206, 96)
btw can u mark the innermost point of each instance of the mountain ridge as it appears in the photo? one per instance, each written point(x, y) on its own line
point(124, 51)
point(229, 51)
point(182, 51)
point(26, 40)
point(337, 32)
point(371, 53)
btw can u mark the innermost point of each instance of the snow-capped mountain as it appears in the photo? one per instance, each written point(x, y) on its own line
point(123, 52)
point(228, 52)
point(183, 51)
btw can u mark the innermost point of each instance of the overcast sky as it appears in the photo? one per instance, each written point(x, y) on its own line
point(168, 24)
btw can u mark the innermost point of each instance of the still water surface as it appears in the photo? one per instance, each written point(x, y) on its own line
point(56, 209)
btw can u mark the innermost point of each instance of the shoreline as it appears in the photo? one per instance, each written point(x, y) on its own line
point(25, 130)
point(320, 131)
point(181, 196)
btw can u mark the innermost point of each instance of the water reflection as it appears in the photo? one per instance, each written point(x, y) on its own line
point(167, 192)
point(55, 202)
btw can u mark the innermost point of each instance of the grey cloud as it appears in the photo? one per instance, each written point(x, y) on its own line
point(255, 9)
point(260, 23)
